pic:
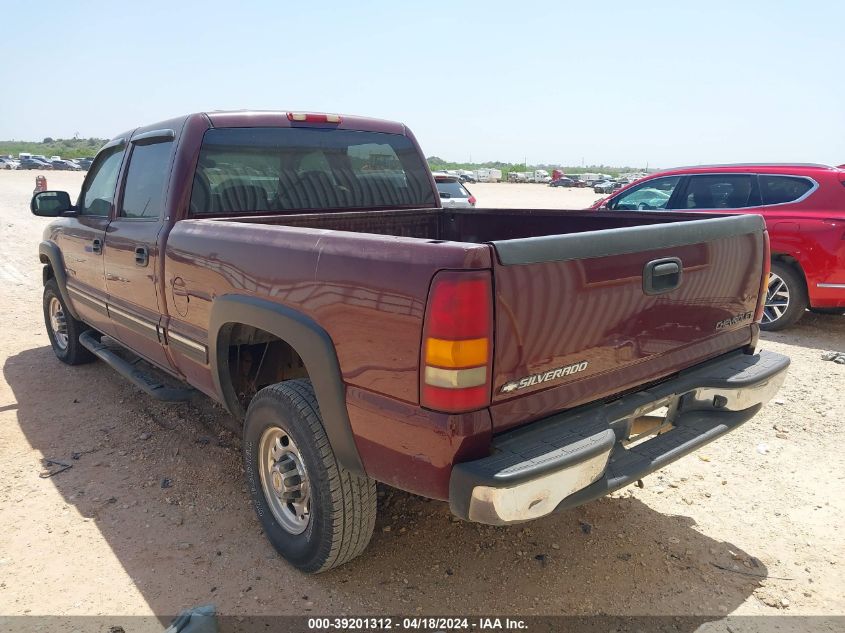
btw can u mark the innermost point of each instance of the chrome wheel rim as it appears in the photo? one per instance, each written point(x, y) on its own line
point(284, 480)
point(58, 322)
point(777, 299)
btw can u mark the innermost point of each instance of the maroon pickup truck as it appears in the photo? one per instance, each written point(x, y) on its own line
point(299, 269)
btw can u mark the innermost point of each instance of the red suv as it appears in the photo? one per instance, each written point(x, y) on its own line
point(804, 209)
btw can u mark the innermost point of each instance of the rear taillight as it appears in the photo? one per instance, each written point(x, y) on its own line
point(457, 344)
point(764, 281)
point(472, 200)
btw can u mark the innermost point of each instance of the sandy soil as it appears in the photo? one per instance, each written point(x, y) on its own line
point(750, 525)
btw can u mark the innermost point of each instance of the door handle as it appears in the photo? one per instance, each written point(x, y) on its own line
point(142, 256)
point(97, 246)
point(669, 268)
point(662, 275)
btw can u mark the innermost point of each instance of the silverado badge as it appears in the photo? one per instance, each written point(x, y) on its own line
point(739, 318)
point(552, 374)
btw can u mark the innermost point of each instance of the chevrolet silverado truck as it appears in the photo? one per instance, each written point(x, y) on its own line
point(299, 269)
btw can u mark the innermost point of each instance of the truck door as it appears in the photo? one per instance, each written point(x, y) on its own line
point(82, 240)
point(132, 261)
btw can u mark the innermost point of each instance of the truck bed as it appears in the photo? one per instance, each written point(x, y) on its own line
point(476, 226)
point(574, 321)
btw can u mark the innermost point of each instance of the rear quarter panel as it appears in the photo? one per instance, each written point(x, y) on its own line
point(367, 291)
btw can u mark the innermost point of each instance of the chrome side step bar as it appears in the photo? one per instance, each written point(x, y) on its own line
point(132, 372)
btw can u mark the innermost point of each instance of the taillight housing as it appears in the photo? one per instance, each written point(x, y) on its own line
point(764, 281)
point(457, 345)
point(472, 200)
point(314, 117)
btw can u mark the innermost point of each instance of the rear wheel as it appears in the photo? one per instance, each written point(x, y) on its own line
point(315, 513)
point(786, 298)
point(62, 329)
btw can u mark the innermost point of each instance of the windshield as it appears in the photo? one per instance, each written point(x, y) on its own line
point(261, 170)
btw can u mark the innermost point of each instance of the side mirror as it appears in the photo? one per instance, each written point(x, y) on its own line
point(50, 204)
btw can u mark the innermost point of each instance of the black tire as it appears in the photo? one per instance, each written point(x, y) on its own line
point(72, 353)
point(342, 504)
point(797, 302)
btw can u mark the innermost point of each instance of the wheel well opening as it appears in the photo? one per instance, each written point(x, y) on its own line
point(254, 360)
point(790, 261)
point(47, 271)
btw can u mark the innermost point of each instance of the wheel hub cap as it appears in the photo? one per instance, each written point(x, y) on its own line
point(777, 299)
point(58, 322)
point(284, 480)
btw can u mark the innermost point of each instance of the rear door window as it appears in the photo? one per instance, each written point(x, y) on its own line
point(783, 189)
point(143, 193)
point(261, 170)
point(718, 191)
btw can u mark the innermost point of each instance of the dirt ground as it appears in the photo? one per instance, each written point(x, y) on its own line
point(154, 517)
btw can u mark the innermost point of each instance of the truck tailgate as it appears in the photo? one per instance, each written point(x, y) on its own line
point(586, 316)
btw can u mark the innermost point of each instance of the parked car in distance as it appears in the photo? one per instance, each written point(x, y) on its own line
point(65, 165)
point(606, 186)
point(563, 181)
point(804, 209)
point(84, 163)
point(300, 269)
point(8, 163)
point(453, 195)
point(34, 163)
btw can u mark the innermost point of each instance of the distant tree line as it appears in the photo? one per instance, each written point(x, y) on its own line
point(64, 147)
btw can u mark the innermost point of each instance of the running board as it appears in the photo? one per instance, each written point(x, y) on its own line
point(132, 372)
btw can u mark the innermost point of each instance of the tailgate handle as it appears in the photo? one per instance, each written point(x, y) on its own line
point(662, 275)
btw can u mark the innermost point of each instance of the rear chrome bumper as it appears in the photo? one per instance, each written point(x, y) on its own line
point(577, 456)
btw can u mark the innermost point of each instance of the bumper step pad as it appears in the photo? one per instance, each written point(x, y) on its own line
point(707, 401)
point(626, 465)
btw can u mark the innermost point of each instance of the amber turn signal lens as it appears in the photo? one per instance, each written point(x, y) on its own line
point(456, 354)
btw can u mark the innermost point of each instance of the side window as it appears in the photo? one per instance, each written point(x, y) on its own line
point(98, 191)
point(728, 191)
point(650, 195)
point(783, 189)
point(143, 193)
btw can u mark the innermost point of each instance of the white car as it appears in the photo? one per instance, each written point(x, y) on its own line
point(453, 195)
point(9, 163)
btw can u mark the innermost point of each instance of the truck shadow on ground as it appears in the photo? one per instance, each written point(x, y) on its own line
point(165, 487)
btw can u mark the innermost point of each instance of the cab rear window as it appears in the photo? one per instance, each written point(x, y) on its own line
point(264, 170)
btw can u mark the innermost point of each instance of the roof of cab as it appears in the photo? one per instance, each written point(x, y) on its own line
point(269, 118)
point(279, 118)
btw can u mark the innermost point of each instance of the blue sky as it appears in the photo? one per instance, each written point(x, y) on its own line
point(620, 83)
